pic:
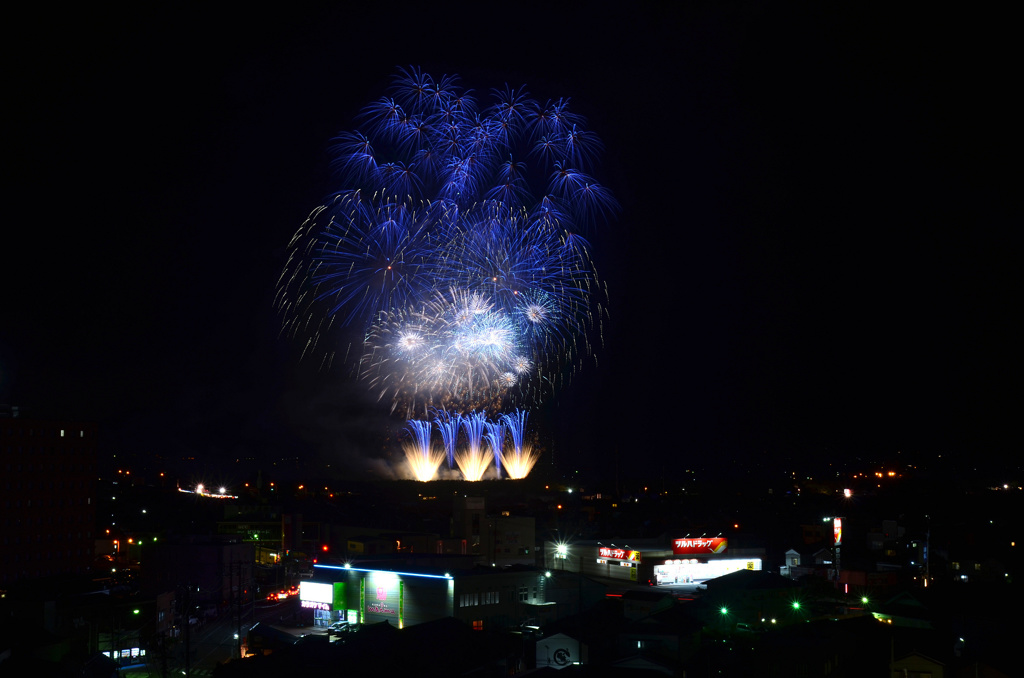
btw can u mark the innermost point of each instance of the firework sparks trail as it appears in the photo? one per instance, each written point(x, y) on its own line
point(496, 440)
point(472, 460)
point(516, 425)
point(448, 204)
point(422, 456)
point(519, 461)
point(448, 424)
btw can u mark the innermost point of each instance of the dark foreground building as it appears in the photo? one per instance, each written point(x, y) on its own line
point(48, 517)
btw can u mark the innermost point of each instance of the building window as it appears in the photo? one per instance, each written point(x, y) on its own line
point(478, 624)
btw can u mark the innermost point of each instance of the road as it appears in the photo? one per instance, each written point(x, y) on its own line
point(213, 641)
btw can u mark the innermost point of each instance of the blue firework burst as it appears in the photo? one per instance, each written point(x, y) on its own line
point(448, 198)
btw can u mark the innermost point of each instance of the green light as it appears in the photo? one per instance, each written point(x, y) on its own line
point(724, 610)
point(864, 600)
point(796, 604)
point(135, 611)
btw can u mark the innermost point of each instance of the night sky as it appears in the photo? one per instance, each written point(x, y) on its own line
point(815, 256)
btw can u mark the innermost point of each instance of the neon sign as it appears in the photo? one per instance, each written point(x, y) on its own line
point(619, 554)
point(314, 605)
point(700, 545)
point(383, 595)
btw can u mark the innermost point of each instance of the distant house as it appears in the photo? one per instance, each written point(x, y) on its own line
point(904, 610)
point(560, 651)
point(918, 665)
point(792, 565)
point(817, 563)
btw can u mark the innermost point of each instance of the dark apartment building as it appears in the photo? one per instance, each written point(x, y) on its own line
point(48, 479)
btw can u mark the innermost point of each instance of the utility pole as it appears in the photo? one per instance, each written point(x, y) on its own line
point(238, 619)
point(252, 600)
point(163, 656)
point(928, 554)
point(115, 639)
point(188, 630)
point(579, 606)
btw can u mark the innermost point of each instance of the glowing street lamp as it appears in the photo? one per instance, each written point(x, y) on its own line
point(561, 553)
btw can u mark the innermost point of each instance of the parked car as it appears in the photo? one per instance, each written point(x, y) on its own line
point(339, 627)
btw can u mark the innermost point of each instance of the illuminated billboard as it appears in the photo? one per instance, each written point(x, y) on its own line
point(316, 596)
point(700, 546)
point(381, 597)
point(837, 531)
point(619, 554)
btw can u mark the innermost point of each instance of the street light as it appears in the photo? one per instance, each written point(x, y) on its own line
point(723, 617)
point(562, 553)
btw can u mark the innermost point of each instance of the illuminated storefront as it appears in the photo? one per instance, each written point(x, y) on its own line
point(127, 656)
point(614, 559)
point(680, 561)
point(370, 596)
point(484, 599)
point(327, 601)
point(693, 570)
